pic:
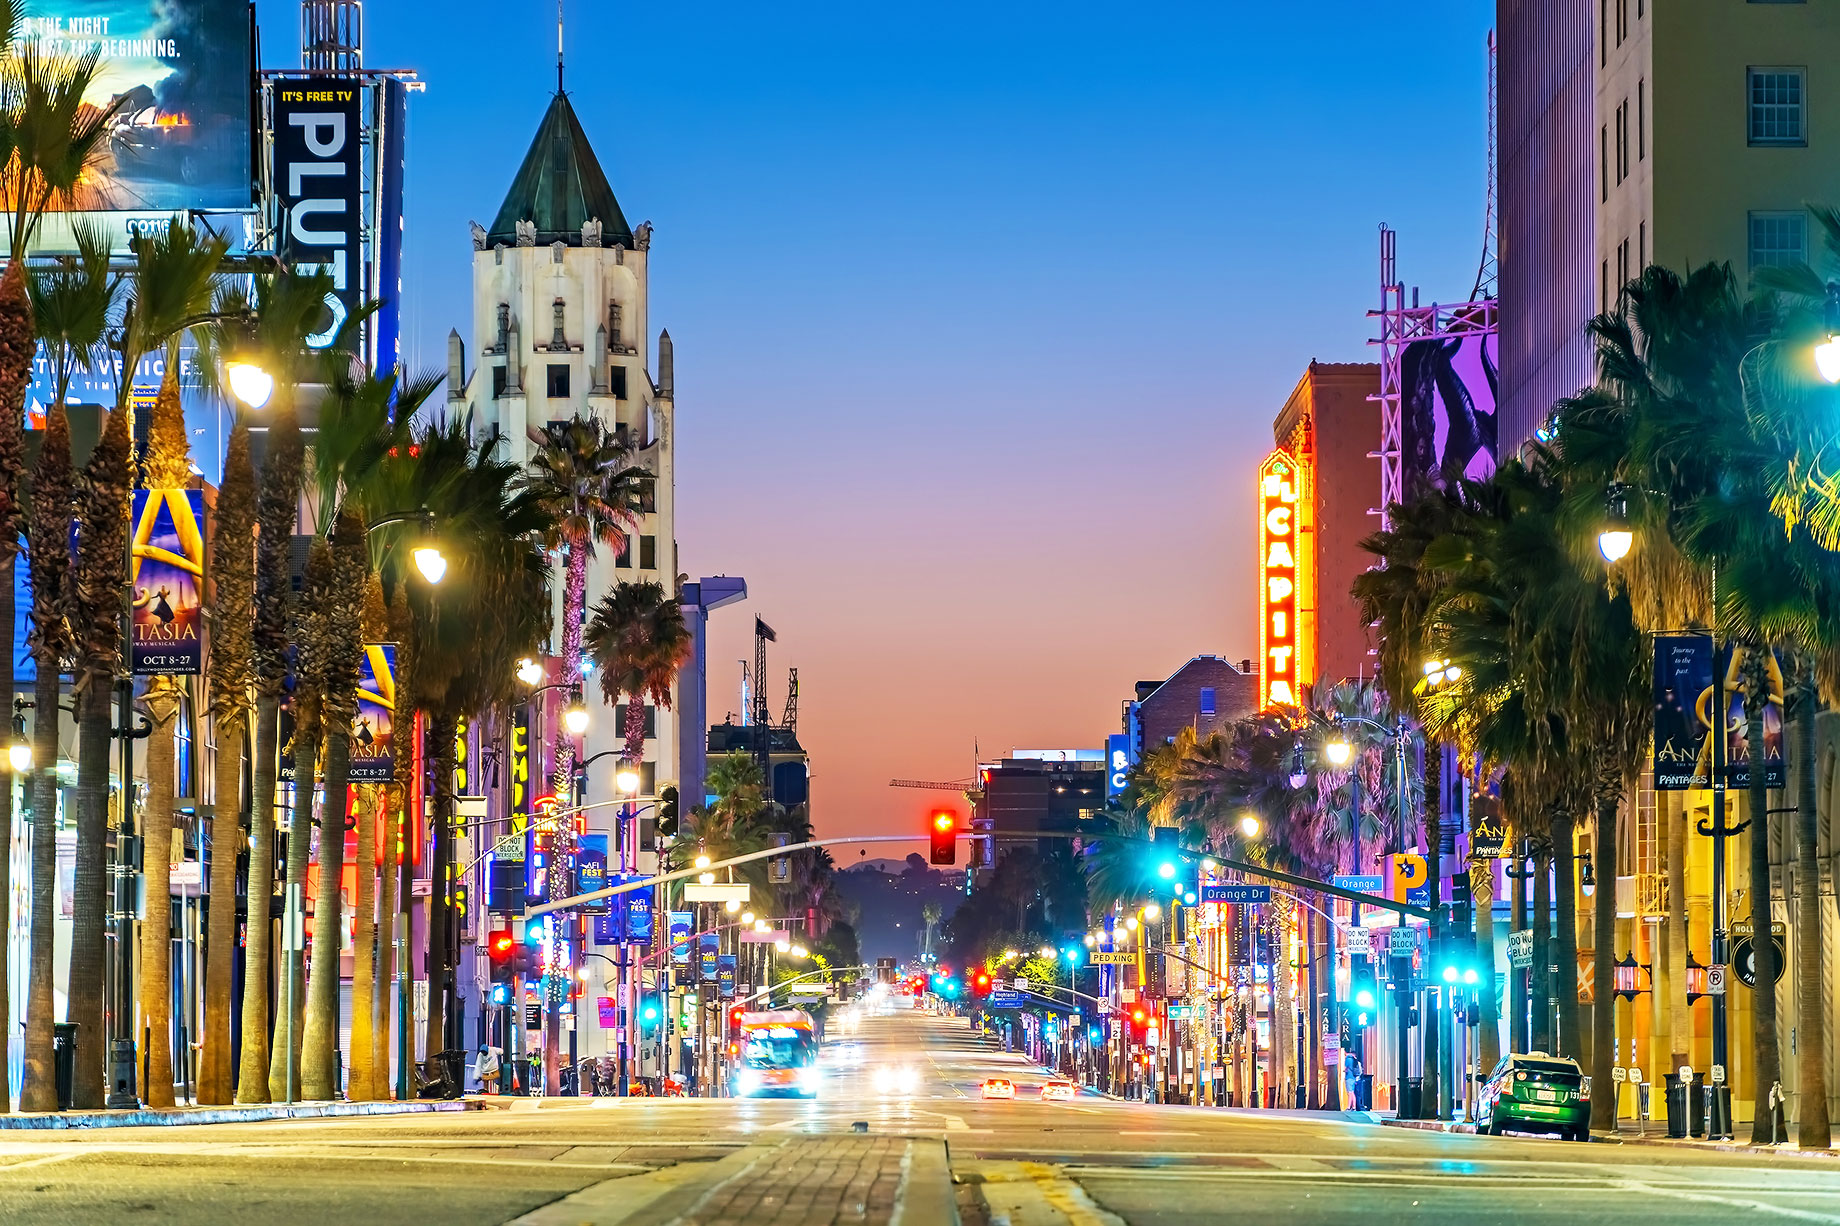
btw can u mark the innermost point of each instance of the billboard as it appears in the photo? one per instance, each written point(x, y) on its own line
point(1447, 390)
point(180, 72)
point(1683, 690)
point(318, 130)
point(373, 726)
point(1281, 648)
point(168, 583)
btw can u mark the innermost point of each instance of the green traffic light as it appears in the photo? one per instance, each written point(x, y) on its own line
point(1364, 998)
point(1166, 870)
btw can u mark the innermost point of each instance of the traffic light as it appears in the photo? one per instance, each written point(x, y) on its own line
point(500, 946)
point(667, 811)
point(649, 1013)
point(1363, 997)
point(980, 983)
point(1140, 1023)
point(944, 834)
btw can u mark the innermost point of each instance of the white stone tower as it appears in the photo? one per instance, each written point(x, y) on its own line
point(560, 320)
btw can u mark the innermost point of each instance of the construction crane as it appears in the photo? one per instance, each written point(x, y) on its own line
point(933, 786)
point(763, 718)
point(791, 722)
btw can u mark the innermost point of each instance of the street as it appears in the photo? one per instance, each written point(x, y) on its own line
point(564, 1162)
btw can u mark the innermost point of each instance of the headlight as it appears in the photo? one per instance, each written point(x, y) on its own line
point(907, 1079)
point(747, 1081)
point(810, 1078)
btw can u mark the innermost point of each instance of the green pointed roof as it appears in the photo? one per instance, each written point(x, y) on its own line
point(559, 186)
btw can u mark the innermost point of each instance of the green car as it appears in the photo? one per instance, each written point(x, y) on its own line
point(1537, 1093)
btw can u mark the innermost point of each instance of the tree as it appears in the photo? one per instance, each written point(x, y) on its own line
point(639, 641)
point(583, 478)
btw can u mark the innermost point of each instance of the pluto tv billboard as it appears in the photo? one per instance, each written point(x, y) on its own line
point(179, 72)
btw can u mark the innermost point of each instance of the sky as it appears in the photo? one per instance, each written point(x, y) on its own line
point(982, 313)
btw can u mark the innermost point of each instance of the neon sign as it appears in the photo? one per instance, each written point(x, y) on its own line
point(1280, 673)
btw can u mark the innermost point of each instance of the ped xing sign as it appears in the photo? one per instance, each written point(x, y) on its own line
point(1241, 894)
point(1099, 957)
point(719, 891)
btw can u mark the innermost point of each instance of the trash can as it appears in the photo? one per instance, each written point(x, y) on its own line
point(452, 1063)
point(1412, 1099)
point(64, 1061)
point(1676, 1091)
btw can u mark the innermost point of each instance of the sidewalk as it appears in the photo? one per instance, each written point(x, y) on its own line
point(1626, 1134)
point(170, 1117)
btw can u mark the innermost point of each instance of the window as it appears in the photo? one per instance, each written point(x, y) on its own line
point(1603, 32)
point(648, 553)
point(623, 556)
point(1778, 103)
point(1622, 263)
point(1622, 141)
point(498, 382)
point(1207, 700)
point(1641, 120)
point(558, 381)
point(1622, 21)
point(1778, 238)
point(1603, 163)
point(616, 379)
point(1603, 289)
point(1641, 247)
point(651, 720)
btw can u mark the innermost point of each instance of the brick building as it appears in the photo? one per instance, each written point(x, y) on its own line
point(1205, 694)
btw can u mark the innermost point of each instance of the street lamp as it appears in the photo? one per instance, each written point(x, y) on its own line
point(529, 671)
point(1337, 751)
point(249, 383)
point(1827, 354)
point(1151, 911)
point(1616, 538)
point(19, 750)
point(427, 556)
point(575, 718)
point(1249, 825)
point(626, 778)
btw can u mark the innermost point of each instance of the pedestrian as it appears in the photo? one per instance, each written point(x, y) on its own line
point(487, 1068)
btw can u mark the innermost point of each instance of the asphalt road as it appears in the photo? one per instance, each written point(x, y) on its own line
point(1017, 1163)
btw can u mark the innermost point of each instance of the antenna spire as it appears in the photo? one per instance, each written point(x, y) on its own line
point(558, 46)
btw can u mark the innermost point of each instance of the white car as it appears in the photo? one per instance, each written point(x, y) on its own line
point(897, 1079)
point(999, 1087)
point(1058, 1090)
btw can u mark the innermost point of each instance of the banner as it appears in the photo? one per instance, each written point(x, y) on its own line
point(1737, 727)
point(639, 916)
point(680, 936)
point(168, 583)
point(706, 960)
point(317, 140)
point(373, 728)
point(591, 872)
point(725, 975)
point(1683, 697)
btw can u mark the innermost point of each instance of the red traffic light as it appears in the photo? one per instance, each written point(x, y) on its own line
point(1137, 1015)
point(500, 944)
point(943, 836)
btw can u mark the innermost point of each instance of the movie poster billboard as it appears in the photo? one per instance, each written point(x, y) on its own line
point(318, 138)
point(179, 79)
point(1683, 697)
point(1737, 727)
point(168, 583)
point(1447, 389)
point(680, 923)
point(373, 726)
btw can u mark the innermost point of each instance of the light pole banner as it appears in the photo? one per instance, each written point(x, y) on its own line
point(168, 583)
point(681, 923)
point(1683, 703)
point(1737, 724)
point(373, 728)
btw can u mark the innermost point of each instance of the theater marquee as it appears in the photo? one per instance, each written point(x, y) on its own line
point(1281, 648)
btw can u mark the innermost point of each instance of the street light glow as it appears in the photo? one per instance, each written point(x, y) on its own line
point(1249, 825)
point(575, 719)
point(529, 671)
point(627, 778)
point(1614, 543)
point(702, 861)
point(1827, 359)
point(253, 386)
point(430, 562)
point(1337, 751)
point(1152, 911)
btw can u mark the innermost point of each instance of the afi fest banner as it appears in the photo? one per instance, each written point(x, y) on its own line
point(1683, 700)
point(168, 583)
point(373, 729)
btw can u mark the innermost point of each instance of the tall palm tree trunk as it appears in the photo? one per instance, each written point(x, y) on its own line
point(290, 1030)
point(156, 872)
point(1313, 1096)
point(89, 905)
point(38, 1087)
point(1482, 895)
point(216, 1083)
point(1565, 982)
point(252, 1084)
point(1812, 1130)
point(1519, 978)
point(381, 1030)
point(1430, 1028)
point(1540, 982)
point(1603, 958)
point(319, 1054)
point(1768, 1054)
point(441, 733)
point(7, 612)
point(364, 947)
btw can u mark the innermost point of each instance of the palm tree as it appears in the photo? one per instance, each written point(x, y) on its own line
point(583, 477)
point(52, 642)
point(374, 625)
point(930, 914)
point(639, 641)
point(232, 612)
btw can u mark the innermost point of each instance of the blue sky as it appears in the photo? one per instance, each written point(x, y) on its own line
point(982, 312)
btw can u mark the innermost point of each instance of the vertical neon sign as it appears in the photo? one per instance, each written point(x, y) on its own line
point(1280, 678)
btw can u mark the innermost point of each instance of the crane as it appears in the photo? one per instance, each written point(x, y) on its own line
point(933, 786)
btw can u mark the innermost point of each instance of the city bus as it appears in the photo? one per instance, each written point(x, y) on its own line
point(777, 1055)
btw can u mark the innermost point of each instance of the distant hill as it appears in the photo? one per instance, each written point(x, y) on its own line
point(888, 895)
point(893, 867)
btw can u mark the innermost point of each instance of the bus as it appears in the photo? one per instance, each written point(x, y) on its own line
point(777, 1055)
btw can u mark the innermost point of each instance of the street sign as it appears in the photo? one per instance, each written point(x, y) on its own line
point(1007, 999)
point(509, 847)
point(1181, 1013)
point(1685, 1073)
point(1022, 985)
point(1358, 940)
point(1744, 958)
point(1100, 957)
point(1520, 949)
point(718, 891)
point(772, 936)
point(1715, 981)
point(1403, 942)
point(1409, 873)
point(1619, 1074)
point(1487, 838)
point(1363, 883)
point(1236, 893)
point(1718, 1074)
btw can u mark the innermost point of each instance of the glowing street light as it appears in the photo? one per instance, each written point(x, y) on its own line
point(1827, 354)
point(249, 383)
point(626, 778)
point(575, 718)
point(431, 562)
point(702, 861)
point(529, 671)
point(1338, 752)
point(1616, 538)
point(1249, 825)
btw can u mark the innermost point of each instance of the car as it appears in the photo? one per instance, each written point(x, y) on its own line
point(1536, 1092)
point(896, 1079)
point(999, 1087)
point(1058, 1089)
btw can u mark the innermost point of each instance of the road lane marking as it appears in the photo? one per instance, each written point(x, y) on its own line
point(46, 1160)
point(1734, 1202)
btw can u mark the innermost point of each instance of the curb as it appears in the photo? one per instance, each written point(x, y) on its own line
point(1725, 1147)
point(927, 1195)
point(1427, 1125)
point(177, 1116)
